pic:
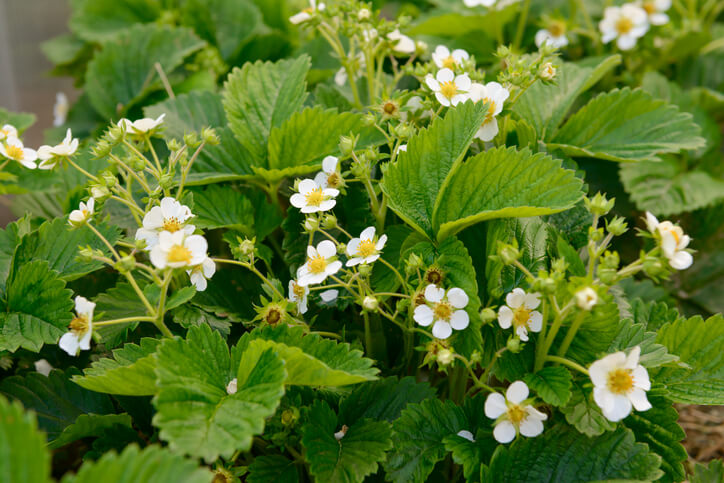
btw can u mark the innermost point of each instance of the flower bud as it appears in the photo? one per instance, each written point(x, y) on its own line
point(114, 134)
point(191, 140)
point(420, 47)
point(403, 130)
point(311, 223)
point(137, 164)
point(329, 222)
point(610, 260)
point(654, 268)
point(595, 234)
point(365, 270)
point(487, 315)
point(508, 252)
point(370, 304)
point(246, 247)
point(599, 205)
point(414, 262)
point(347, 145)
point(173, 145)
point(445, 357)
point(617, 226)
point(290, 416)
point(544, 284)
point(608, 276)
point(513, 345)
point(166, 181)
point(586, 298)
point(86, 254)
point(232, 387)
point(126, 264)
point(476, 357)
point(369, 120)
point(102, 149)
point(364, 14)
point(209, 136)
point(100, 193)
point(547, 72)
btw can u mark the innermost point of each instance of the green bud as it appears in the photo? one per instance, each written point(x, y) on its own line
point(414, 262)
point(445, 357)
point(476, 357)
point(126, 264)
point(100, 193)
point(109, 179)
point(599, 205)
point(101, 149)
point(370, 304)
point(403, 131)
point(508, 252)
point(140, 244)
point(369, 120)
point(290, 416)
point(86, 254)
point(513, 345)
point(166, 181)
point(617, 226)
point(209, 136)
point(329, 222)
point(610, 260)
point(311, 224)
point(595, 234)
point(365, 270)
point(246, 247)
point(559, 265)
point(654, 267)
point(173, 145)
point(403, 305)
point(544, 284)
point(347, 145)
point(114, 134)
point(137, 164)
point(488, 315)
point(608, 276)
point(192, 140)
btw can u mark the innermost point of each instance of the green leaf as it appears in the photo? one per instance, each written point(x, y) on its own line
point(698, 344)
point(20, 120)
point(583, 413)
point(658, 428)
point(227, 24)
point(223, 207)
point(502, 183)
point(130, 372)
point(38, 308)
point(58, 243)
point(276, 468)
point(261, 96)
point(188, 316)
point(626, 125)
point(383, 278)
point(571, 256)
point(545, 106)
point(10, 238)
point(180, 297)
point(118, 302)
point(195, 413)
point(98, 21)
point(418, 439)
point(193, 112)
point(664, 189)
point(452, 25)
point(652, 315)
point(413, 182)
point(350, 459)
point(23, 455)
point(382, 400)
point(310, 360)
point(631, 334)
point(562, 455)
point(56, 400)
point(153, 464)
point(88, 425)
point(131, 56)
point(552, 384)
point(713, 472)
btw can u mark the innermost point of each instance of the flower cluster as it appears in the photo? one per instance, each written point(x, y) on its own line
point(629, 22)
point(13, 149)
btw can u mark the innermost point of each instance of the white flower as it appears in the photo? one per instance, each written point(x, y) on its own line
point(475, 3)
point(552, 36)
point(626, 23)
point(83, 213)
point(232, 387)
point(586, 298)
point(329, 177)
point(466, 435)
point(520, 313)
point(402, 148)
point(49, 155)
point(495, 96)
point(365, 249)
point(321, 263)
point(449, 90)
point(81, 328)
point(8, 131)
point(141, 126)
point(170, 216)
point(201, 273)
point(307, 13)
point(60, 109)
point(42, 366)
point(13, 149)
point(368, 35)
point(443, 311)
point(298, 294)
point(547, 72)
point(512, 415)
point(620, 382)
point(364, 14)
point(673, 242)
point(176, 250)
point(443, 58)
point(329, 295)
point(401, 43)
point(313, 198)
point(655, 10)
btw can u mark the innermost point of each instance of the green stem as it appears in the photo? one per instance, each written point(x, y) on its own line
point(161, 313)
point(187, 170)
point(567, 362)
point(124, 320)
point(72, 163)
point(521, 25)
point(577, 322)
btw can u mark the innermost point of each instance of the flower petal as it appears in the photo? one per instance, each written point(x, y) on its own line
point(326, 248)
point(433, 293)
point(531, 427)
point(505, 317)
point(517, 392)
point(441, 330)
point(504, 432)
point(457, 297)
point(495, 405)
point(459, 320)
point(423, 315)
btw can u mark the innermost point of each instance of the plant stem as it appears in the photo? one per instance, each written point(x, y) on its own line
point(567, 362)
point(522, 20)
point(571, 333)
point(124, 320)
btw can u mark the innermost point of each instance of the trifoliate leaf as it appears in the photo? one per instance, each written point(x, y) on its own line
point(546, 105)
point(562, 455)
point(296, 148)
point(382, 400)
point(38, 308)
point(193, 112)
point(223, 207)
point(310, 360)
point(98, 21)
point(713, 472)
point(663, 188)
point(23, 455)
point(57, 401)
point(631, 335)
point(503, 183)
point(58, 243)
point(276, 468)
point(698, 344)
point(583, 413)
point(657, 427)
point(413, 182)
point(552, 384)
point(150, 465)
point(260, 96)
point(626, 125)
point(131, 56)
point(348, 459)
point(652, 315)
point(90, 425)
point(195, 413)
point(130, 372)
point(418, 439)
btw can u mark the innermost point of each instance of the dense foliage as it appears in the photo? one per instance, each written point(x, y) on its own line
point(367, 242)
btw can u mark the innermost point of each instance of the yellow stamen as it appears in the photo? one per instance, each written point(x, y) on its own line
point(79, 325)
point(449, 62)
point(620, 381)
point(516, 414)
point(443, 311)
point(491, 110)
point(179, 253)
point(448, 89)
point(624, 25)
point(557, 28)
point(171, 224)
point(366, 248)
point(14, 152)
point(521, 316)
point(650, 7)
point(315, 197)
point(317, 264)
point(333, 180)
point(298, 291)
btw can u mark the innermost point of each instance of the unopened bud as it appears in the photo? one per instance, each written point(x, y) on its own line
point(329, 222)
point(100, 193)
point(599, 205)
point(508, 252)
point(370, 304)
point(290, 416)
point(246, 247)
point(513, 345)
point(617, 226)
point(414, 262)
point(547, 72)
point(586, 298)
point(445, 356)
point(209, 136)
point(232, 387)
point(364, 14)
point(364, 270)
point(126, 264)
point(347, 145)
point(488, 315)
point(191, 140)
point(369, 120)
point(311, 223)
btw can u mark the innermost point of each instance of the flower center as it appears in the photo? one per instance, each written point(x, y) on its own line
point(171, 224)
point(443, 311)
point(309, 10)
point(315, 197)
point(448, 89)
point(624, 25)
point(298, 291)
point(516, 414)
point(14, 152)
point(620, 381)
point(86, 213)
point(366, 248)
point(557, 29)
point(317, 264)
point(333, 180)
point(650, 7)
point(449, 62)
point(273, 316)
point(179, 253)
point(491, 110)
point(79, 325)
point(521, 316)
point(390, 108)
